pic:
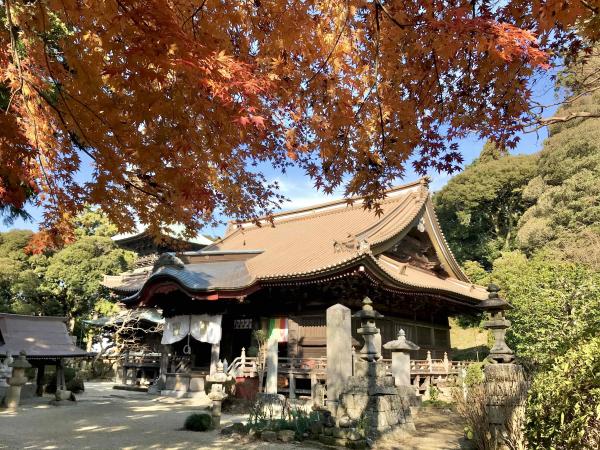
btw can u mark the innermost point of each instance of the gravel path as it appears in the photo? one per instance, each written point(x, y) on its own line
point(104, 418)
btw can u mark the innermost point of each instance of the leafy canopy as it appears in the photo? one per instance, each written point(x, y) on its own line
point(173, 103)
point(60, 282)
point(479, 208)
point(556, 304)
point(566, 192)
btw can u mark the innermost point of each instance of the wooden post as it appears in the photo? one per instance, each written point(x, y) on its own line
point(164, 366)
point(292, 380)
point(429, 361)
point(214, 357)
point(60, 375)
point(40, 380)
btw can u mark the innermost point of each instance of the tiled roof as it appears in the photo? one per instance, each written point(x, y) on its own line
point(320, 240)
point(310, 240)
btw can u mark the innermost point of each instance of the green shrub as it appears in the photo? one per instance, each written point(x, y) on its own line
point(563, 408)
point(50, 379)
point(198, 422)
point(76, 385)
point(474, 374)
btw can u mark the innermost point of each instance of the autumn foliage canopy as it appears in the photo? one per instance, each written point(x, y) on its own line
point(174, 103)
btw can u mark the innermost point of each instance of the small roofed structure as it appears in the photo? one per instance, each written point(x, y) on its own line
point(45, 340)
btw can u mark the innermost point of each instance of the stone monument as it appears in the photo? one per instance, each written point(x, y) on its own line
point(339, 352)
point(505, 386)
point(16, 381)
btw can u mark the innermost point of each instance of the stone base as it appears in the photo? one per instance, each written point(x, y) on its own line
point(378, 402)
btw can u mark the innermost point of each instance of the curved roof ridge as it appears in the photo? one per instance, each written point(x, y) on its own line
point(318, 210)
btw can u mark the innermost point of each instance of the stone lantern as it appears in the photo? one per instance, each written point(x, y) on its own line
point(217, 392)
point(401, 349)
point(371, 351)
point(16, 381)
point(498, 324)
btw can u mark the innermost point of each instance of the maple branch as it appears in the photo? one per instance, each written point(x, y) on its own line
point(590, 7)
point(196, 11)
point(377, 43)
point(392, 18)
point(568, 117)
point(15, 53)
point(337, 40)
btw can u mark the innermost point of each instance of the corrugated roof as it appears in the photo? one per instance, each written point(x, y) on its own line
point(39, 337)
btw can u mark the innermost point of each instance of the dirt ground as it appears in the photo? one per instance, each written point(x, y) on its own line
point(104, 418)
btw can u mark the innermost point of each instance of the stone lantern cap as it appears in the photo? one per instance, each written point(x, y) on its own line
point(401, 344)
point(21, 362)
point(367, 312)
point(494, 302)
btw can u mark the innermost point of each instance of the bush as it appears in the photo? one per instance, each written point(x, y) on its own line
point(76, 385)
point(50, 379)
point(563, 409)
point(198, 422)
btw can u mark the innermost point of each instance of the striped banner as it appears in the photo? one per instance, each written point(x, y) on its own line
point(279, 325)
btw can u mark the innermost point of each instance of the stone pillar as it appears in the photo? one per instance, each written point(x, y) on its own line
point(16, 381)
point(339, 352)
point(505, 386)
point(401, 349)
point(215, 351)
point(272, 362)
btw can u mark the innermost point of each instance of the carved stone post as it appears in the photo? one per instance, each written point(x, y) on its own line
point(272, 363)
point(16, 381)
point(505, 386)
point(339, 352)
point(401, 349)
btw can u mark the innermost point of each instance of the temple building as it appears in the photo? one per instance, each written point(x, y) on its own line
point(281, 274)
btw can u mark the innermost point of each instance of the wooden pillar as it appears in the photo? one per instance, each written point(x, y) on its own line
point(164, 366)
point(215, 351)
point(60, 375)
point(39, 390)
point(292, 380)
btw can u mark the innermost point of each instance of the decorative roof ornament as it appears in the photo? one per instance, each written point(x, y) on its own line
point(498, 324)
point(421, 225)
point(168, 260)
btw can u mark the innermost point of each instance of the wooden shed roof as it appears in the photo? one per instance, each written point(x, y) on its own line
point(41, 337)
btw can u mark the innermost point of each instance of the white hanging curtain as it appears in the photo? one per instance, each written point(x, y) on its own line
point(202, 327)
point(176, 328)
point(206, 328)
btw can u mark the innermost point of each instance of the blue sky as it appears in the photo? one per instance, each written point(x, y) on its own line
point(298, 188)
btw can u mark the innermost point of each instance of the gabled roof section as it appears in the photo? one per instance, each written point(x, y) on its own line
point(309, 240)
